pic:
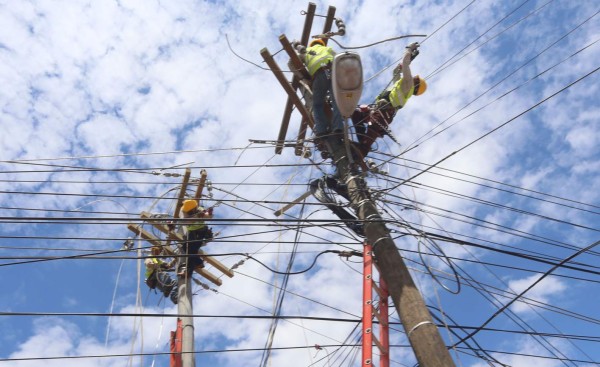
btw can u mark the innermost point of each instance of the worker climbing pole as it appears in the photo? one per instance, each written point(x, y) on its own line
point(312, 74)
point(188, 228)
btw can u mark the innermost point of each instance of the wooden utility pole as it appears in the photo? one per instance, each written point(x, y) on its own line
point(182, 340)
point(184, 296)
point(422, 333)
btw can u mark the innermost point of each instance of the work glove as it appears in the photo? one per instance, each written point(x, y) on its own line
point(413, 50)
point(300, 48)
point(413, 46)
point(381, 104)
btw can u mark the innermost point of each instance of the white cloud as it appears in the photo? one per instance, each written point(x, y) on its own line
point(548, 289)
point(94, 78)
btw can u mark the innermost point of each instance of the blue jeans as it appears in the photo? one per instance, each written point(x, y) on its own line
point(166, 285)
point(321, 85)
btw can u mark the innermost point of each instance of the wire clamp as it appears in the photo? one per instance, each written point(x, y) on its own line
point(376, 241)
point(418, 325)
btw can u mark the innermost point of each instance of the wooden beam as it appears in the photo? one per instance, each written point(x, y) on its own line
point(208, 275)
point(298, 65)
point(186, 179)
point(285, 84)
point(308, 21)
point(329, 20)
point(155, 241)
point(161, 226)
point(285, 122)
point(294, 58)
point(287, 112)
point(203, 175)
point(288, 206)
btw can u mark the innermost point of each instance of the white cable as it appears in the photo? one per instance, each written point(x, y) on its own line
point(112, 304)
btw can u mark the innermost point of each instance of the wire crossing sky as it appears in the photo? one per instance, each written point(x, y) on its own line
point(490, 191)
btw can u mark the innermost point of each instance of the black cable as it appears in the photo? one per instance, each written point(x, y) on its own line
point(495, 226)
point(486, 41)
point(376, 43)
point(476, 38)
point(143, 170)
point(496, 128)
point(394, 162)
point(422, 139)
point(527, 289)
point(448, 21)
point(302, 271)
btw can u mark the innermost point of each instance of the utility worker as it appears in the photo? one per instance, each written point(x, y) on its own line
point(318, 59)
point(196, 233)
point(157, 275)
point(371, 122)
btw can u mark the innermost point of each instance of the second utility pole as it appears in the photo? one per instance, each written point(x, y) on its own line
point(184, 296)
point(422, 333)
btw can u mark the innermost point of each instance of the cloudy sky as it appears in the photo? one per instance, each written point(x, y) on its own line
point(103, 104)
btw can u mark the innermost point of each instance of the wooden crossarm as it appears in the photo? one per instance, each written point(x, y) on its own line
point(169, 251)
point(159, 224)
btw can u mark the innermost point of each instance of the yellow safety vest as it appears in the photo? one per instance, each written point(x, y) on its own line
point(397, 99)
point(318, 56)
point(149, 271)
point(196, 225)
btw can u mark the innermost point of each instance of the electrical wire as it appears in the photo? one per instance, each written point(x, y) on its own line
point(498, 127)
point(527, 289)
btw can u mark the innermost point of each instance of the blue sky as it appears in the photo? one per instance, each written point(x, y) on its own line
point(100, 99)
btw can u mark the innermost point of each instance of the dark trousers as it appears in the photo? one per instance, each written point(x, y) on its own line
point(195, 239)
point(163, 281)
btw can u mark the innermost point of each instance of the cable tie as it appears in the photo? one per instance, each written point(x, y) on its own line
point(417, 325)
point(375, 243)
point(373, 215)
point(362, 202)
point(339, 160)
point(346, 254)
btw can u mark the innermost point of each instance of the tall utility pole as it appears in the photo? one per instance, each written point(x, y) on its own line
point(184, 309)
point(422, 333)
point(182, 340)
point(184, 296)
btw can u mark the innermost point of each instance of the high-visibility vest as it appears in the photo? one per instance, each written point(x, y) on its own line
point(397, 99)
point(149, 270)
point(198, 224)
point(318, 56)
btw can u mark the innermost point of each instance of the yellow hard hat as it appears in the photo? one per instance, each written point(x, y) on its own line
point(315, 41)
point(420, 85)
point(189, 205)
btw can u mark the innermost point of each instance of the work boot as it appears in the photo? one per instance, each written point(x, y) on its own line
point(167, 291)
point(321, 146)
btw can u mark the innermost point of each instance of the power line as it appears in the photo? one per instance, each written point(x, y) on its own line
point(497, 128)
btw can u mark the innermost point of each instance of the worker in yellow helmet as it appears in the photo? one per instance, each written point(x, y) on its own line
point(157, 275)
point(197, 233)
point(371, 122)
point(318, 59)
